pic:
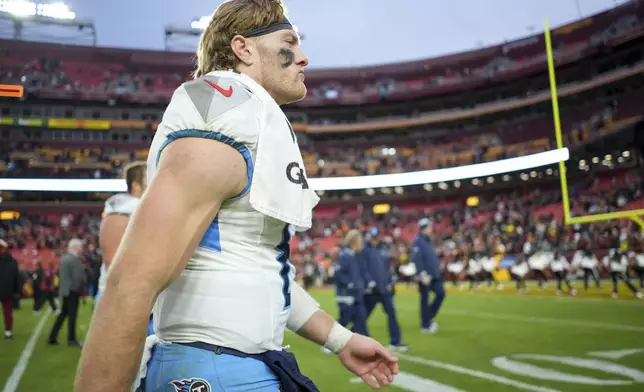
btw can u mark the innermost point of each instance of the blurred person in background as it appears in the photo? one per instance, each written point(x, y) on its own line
point(616, 263)
point(36, 284)
point(519, 270)
point(379, 285)
point(309, 272)
point(47, 288)
point(72, 285)
point(116, 215)
point(588, 263)
point(488, 265)
point(9, 287)
point(474, 270)
point(560, 266)
point(428, 269)
point(350, 284)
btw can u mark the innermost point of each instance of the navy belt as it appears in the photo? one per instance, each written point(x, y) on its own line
point(220, 350)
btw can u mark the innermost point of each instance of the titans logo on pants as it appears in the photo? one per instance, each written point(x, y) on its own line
point(191, 385)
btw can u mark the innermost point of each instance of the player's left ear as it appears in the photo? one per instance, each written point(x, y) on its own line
point(243, 49)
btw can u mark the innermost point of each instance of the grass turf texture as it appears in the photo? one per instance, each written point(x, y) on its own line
point(475, 327)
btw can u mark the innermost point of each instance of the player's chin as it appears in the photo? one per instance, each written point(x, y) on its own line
point(297, 93)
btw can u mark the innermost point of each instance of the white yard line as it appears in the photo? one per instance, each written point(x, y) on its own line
point(14, 380)
point(616, 354)
point(410, 382)
point(475, 373)
point(544, 320)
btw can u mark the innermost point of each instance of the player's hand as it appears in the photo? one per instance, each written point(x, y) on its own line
point(426, 280)
point(369, 360)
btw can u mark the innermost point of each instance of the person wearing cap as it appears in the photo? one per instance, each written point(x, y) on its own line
point(350, 284)
point(379, 285)
point(72, 285)
point(9, 286)
point(429, 276)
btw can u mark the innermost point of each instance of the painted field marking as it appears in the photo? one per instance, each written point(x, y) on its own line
point(14, 380)
point(545, 320)
point(475, 373)
point(413, 383)
point(615, 354)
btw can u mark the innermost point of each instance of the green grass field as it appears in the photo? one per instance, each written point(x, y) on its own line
point(488, 341)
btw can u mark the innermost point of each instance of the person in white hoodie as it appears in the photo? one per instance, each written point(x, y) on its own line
point(519, 270)
point(588, 263)
point(474, 270)
point(488, 264)
point(560, 266)
point(617, 263)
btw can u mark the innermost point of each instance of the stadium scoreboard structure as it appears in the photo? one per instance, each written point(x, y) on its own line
point(633, 215)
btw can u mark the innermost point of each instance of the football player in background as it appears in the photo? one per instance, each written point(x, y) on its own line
point(208, 246)
point(116, 215)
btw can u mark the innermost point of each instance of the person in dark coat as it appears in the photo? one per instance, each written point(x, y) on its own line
point(9, 286)
point(36, 284)
point(349, 284)
point(379, 285)
point(429, 276)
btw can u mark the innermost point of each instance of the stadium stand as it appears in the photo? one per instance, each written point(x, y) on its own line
point(88, 111)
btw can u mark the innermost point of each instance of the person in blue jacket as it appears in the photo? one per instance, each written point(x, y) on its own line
point(349, 284)
point(429, 276)
point(379, 285)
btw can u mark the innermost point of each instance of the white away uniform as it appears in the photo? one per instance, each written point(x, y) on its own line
point(119, 204)
point(235, 291)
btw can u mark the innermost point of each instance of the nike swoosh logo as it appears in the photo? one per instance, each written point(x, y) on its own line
point(226, 93)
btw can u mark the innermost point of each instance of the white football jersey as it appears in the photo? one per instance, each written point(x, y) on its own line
point(235, 289)
point(118, 204)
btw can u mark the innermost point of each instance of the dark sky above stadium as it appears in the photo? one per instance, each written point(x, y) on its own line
point(352, 32)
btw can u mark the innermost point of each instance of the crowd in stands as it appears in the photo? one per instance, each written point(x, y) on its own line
point(328, 159)
point(122, 79)
point(504, 223)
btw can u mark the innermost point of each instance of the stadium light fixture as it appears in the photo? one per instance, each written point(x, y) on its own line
point(383, 181)
point(23, 8)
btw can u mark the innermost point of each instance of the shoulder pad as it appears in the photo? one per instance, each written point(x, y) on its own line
point(213, 96)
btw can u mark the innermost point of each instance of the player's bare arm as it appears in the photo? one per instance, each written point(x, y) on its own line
point(194, 177)
point(111, 233)
point(362, 355)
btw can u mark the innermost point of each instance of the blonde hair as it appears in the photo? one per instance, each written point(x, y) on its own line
point(134, 172)
point(231, 18)
point(352, 237)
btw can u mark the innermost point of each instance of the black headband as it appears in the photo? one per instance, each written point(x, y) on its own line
point(271, 28)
